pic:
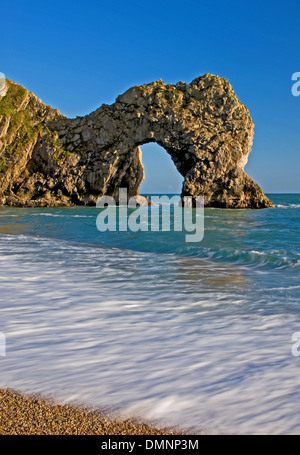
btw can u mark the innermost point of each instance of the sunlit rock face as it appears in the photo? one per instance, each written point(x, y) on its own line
point(206, 130)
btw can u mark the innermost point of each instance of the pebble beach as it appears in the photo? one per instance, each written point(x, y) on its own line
point(33, 415)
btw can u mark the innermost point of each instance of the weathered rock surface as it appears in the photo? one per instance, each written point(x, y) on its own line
point(49, 160)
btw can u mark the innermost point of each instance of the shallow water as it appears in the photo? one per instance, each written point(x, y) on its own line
point(198, 335)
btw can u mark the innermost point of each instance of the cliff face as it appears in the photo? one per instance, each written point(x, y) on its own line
point(49, 160)
point(33, 163)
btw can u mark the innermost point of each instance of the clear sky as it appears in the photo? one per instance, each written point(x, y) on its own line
point(77, 55)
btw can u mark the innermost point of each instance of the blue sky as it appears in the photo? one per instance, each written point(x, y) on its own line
point(77, 55)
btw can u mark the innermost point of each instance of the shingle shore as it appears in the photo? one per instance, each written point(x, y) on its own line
point(32, 415)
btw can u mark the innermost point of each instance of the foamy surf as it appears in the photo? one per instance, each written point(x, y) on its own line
point(194, 336)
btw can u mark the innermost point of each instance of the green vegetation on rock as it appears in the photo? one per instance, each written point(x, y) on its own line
point(16, 95)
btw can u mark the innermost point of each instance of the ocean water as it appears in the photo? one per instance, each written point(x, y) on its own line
point(197, 335)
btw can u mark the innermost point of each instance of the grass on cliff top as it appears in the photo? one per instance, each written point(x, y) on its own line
point(21, 131)
point(13, 99)
point(21, 120)
point(3, 165)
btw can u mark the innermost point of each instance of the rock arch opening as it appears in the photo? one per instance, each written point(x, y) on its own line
point(160, 173)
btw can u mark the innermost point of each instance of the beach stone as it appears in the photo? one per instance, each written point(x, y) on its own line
point(203, 126)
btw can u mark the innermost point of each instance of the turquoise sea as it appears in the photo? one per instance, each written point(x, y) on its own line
point(191, 334)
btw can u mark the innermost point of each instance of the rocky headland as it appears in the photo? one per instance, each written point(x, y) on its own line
point(47, 159)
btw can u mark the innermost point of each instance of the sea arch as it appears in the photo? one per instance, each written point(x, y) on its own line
point(203, 126)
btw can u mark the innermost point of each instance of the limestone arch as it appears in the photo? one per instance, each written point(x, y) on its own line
point(203, 126)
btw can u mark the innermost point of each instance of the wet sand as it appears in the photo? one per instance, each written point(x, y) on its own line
point(32, 415)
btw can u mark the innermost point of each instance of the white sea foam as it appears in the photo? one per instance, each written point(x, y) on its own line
point(161, 336)
point(289, 206)
point(56, 215)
